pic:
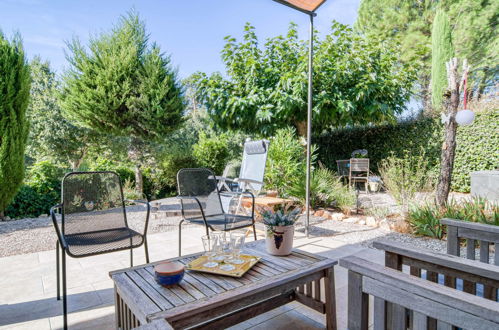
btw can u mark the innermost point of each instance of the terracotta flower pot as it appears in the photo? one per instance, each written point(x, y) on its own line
point(280, 241)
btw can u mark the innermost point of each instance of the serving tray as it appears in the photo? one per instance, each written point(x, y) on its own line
point(239, 271)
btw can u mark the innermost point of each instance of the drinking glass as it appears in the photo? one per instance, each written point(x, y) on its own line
point(210, 243)
point(220, 246)
point(237, 243)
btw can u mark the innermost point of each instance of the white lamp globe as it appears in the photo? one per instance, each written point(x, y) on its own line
point(465, 117)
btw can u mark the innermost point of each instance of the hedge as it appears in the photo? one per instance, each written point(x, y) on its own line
point(477, 144)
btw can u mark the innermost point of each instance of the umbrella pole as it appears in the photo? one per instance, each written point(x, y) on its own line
point(309, 121)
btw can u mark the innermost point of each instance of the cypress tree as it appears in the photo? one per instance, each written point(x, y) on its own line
point(441, 52)
point(15, 85)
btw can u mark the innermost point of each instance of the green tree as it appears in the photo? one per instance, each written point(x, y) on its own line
point(51, 135)
point(441, 52)
point(14, 126)
point(474, 32)
point(356, 80)
point(124, 85)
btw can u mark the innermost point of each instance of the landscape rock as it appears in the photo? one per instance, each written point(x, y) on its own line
point(362, 222)
point(327, 215)
point(319, 213)
point(43, 215)
point(338, 216)
point(401, 226)
point(384, 224)
point(351, 220)
point(371, 222)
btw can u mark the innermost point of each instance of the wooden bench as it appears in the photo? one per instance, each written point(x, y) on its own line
point(423, 299)
point(434, 266)
point(472, 232)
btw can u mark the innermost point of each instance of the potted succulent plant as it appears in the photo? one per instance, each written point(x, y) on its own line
point(280, 230)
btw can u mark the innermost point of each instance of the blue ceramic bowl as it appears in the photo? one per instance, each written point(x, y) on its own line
point(169, 273)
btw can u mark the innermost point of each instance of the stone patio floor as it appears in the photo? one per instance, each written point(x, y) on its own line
point(28, 285)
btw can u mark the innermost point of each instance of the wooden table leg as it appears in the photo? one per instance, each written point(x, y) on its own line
point(117, 315)
point(331, 322)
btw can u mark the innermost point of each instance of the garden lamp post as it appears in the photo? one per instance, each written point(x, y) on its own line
point(308, 7)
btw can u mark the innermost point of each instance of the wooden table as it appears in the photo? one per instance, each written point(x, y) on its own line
point(206, 301)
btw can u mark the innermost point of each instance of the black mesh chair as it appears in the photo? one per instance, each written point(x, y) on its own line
point(93, 221)
point(201, 204)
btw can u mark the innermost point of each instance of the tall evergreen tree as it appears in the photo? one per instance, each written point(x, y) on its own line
point(124, 86)
point(474, 30)
point(441, 52)
point(14, 127)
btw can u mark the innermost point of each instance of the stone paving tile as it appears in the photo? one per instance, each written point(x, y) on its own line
point(41, 324)
point(102, 318)
point(290, 320)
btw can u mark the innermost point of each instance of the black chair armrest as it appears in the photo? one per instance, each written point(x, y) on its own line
point(148, 207)
point(60, 236)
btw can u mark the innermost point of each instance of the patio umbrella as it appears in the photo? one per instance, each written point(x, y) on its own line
point(308, 7)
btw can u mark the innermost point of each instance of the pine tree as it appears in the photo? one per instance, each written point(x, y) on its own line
point(123, 86)
point(441, 52)
point(14, 127)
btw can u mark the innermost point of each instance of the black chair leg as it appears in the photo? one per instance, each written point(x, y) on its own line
point(147, 249)
point(131, 257)
point(180, 237)
point(254, 231)
point(58, 271)
point(64, 293)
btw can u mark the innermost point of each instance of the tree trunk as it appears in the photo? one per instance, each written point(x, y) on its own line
point(449, 145)
point(301, 128)
point(135, 154)
point(139, 179)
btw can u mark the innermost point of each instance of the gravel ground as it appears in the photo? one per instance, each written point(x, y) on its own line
point(37, 234)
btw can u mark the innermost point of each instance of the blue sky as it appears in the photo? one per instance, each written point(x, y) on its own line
point(191, 31)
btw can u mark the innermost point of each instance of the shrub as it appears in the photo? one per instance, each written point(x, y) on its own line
point(325, 190)
point(41, 191)
point(405, 176)
point(477, 144)
point(286, 162)
point(425, 220)
point(211, 152)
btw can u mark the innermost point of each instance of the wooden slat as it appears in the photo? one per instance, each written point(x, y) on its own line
point(170, 296)
point(496, 253)
point(478, 235)
point(379, 314)
point(198, 285)
point(443, 260)
point(434, 308)
point(159, 324)
point(330, 298)
point(135, 297)
point(312, 303)
point(206, 281)
point(443, 326)
point(470, 249)
point(453, 247)
point(145, 286)
point(418, 287)
point(241, 295)
point(308, 289)
point(317, 290)
point(471, 225)
point(419, 321)
point(484, 251)
point(358, 303)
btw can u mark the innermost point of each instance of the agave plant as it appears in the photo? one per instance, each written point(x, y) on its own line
point(282, 217)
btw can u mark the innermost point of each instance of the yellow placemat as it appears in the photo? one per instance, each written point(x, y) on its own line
point(238, 271)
